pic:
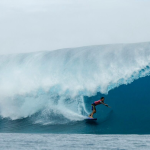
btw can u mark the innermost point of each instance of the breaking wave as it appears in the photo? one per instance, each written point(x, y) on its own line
point(51, 85)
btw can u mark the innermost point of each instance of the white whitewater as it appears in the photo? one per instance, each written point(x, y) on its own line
point(56, 81)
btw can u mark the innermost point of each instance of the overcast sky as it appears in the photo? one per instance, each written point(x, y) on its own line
point(37, 25)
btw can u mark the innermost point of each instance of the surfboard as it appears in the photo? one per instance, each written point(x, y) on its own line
point(91, 118)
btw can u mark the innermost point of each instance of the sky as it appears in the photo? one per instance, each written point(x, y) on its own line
point(41, 25)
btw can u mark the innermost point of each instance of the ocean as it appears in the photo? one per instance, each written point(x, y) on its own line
point(73, 141)
point(47, 96)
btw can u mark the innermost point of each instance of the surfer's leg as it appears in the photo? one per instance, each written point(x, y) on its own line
point(91, 115)
point(93, 112)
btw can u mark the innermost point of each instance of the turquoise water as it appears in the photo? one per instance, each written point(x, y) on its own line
point(52, 92)
point(129, 115)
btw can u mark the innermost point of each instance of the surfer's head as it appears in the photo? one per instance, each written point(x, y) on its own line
point(102, 98)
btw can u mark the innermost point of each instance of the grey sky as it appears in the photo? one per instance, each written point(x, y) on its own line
point(36, 25)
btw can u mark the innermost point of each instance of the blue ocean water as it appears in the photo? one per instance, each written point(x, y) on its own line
point(13, 141)
point(52, 91)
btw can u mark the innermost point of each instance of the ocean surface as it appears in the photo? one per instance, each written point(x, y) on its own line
point(73, 142)
point(52, 92)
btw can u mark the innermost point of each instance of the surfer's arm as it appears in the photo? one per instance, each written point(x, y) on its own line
point(104, 104)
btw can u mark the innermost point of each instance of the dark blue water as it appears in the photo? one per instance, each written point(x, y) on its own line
point(129, 114)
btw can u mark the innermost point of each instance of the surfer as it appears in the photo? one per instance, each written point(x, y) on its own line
point(101, 101)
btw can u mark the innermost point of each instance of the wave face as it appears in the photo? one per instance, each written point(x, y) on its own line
point(57, 87)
